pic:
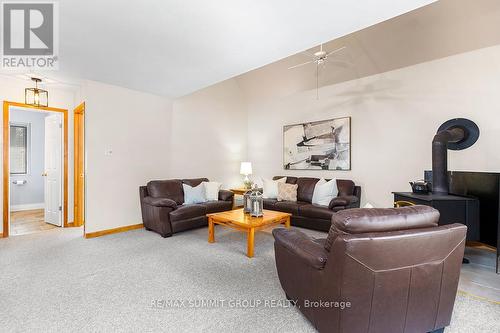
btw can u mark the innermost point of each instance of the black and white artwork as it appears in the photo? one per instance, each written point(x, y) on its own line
point(319, 145)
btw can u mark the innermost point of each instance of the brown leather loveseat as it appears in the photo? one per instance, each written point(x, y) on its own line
point(396, 267)
point(307, 215)
point(163, 210)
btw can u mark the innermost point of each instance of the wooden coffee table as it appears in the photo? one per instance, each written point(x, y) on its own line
point(236, 219)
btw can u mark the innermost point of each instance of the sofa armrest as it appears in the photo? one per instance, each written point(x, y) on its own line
point(160, 202)
point(226, 195)
point(346, 200)
point(302, 246)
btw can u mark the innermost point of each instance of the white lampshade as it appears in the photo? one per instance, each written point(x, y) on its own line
point(246, 168)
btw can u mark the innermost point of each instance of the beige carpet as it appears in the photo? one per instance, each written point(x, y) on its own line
point(56, 281)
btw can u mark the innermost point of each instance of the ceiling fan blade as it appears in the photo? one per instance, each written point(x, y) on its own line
point(299, 65)
point(337, 50)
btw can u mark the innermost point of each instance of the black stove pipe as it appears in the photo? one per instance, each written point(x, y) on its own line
point(440, 157)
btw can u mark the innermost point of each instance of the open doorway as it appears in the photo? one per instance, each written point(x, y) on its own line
point(35, 169)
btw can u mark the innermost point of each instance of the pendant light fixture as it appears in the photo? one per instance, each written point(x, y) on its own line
point(35, 96)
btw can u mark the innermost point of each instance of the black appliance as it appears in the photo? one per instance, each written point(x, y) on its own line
point(485, 186)
point(471, 198)
point(453, 209)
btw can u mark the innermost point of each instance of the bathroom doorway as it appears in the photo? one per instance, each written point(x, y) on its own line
point(35, 169)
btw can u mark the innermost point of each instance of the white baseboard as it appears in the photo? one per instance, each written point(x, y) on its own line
point(18, 208)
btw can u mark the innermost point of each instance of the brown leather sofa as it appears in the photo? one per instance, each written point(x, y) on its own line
point(307, 215)
point(163, 210)
point(396, 267)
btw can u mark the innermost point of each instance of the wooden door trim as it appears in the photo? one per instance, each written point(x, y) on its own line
point(77, 147)
point(6, 166)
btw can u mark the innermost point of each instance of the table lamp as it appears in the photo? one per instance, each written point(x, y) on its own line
point(246, 169)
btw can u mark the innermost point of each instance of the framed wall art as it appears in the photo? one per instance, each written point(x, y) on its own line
point(319, 145)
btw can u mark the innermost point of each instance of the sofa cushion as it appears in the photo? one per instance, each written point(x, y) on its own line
point(288, 206)
point(343, 201)
point(269, 203)
point(160, 202)
point(338, 208)
point(194, 182)
point(306, 188)
point(226, 195)
point(171, 189)
point(316, 212)
point(345, 187)
point(217, 206)
point(338, 201)
point(187, 212)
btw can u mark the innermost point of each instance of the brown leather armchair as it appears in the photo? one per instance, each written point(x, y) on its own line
point(396, 267)
point(163, 210)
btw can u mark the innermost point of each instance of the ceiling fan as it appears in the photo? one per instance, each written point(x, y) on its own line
point(320, 58)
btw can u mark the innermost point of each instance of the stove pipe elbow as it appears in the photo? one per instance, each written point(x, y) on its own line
point(440, 157)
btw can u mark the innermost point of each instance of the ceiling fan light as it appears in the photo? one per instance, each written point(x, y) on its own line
point(320, 54)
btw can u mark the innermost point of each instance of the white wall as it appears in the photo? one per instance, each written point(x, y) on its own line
point(209, 133)
point(135, 127)
point(31, 193)
point(394, 118)
point(200, 135)
point(12, 89)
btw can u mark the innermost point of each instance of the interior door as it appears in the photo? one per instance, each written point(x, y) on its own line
point(53, 167)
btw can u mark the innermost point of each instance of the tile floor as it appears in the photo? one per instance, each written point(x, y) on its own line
point(478, 278)
point(28, 222)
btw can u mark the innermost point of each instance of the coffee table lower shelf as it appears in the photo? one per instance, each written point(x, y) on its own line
point(236, 219)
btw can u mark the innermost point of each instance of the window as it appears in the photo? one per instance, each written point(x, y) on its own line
point(19, 149)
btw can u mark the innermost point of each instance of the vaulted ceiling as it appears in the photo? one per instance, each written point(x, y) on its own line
point(174, 47)
point(441, 29)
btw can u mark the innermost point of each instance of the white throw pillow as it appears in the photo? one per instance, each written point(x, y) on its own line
point(212, 190)
point(325, 192)
point(270, 187)
point(315, 193)
point(195, 194)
